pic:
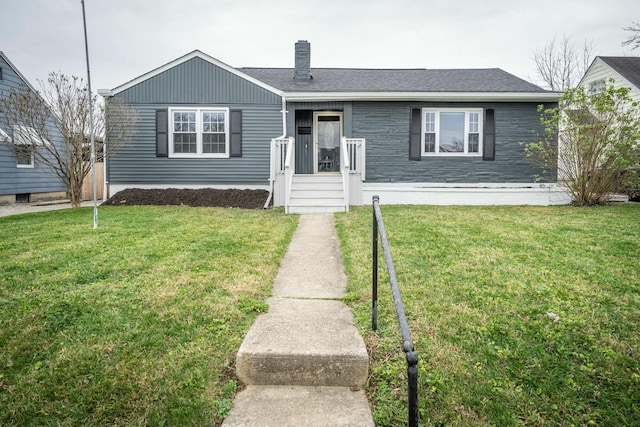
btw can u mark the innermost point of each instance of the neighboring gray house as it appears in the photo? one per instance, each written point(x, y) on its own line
point(323, 139)
point(22, 178)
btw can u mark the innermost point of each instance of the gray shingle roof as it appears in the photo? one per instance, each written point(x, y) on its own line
point(627, 66)
point(398, 80)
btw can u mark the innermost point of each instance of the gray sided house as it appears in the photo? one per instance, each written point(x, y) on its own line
point(323, 139)
point(22, 178)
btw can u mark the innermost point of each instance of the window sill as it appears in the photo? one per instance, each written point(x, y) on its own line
point(198, 156)
point(452, 155)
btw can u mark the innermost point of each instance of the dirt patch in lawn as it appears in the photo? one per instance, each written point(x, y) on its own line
point(205, 197)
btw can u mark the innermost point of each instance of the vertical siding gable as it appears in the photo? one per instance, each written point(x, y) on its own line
point(197, 81)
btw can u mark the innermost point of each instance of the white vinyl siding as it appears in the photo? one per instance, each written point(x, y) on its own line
point(602, 71)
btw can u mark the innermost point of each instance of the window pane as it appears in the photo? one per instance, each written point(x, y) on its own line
point(473, 122)
point(213, 143)
point(474, 145)
point(430, 122)
point(184, 143)
point(452, 132)
point(23, 155)
point(430, 142)
point(213, 136)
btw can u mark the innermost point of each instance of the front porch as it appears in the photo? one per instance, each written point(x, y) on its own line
point(332, 185)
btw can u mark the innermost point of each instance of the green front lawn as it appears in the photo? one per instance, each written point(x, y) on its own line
point(136, 323)
point(478, 283)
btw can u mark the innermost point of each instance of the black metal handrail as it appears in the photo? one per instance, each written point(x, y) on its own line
point(407, 343)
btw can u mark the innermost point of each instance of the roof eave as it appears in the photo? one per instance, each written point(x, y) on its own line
point(424, 96)
point(15, 70)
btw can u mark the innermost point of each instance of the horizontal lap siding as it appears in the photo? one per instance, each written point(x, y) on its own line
point(136, 163)
point(198, 83)
point(13, 180)
point(385, 125)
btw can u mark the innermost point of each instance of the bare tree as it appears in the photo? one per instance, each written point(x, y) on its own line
point(561, 64)
point(53, 127)
point(634, 39)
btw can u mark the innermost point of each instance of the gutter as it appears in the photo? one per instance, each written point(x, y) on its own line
point(426, 96)
point(284, 135)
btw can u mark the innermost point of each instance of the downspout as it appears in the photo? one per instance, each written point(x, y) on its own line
point(105, 184)
point(272, 173)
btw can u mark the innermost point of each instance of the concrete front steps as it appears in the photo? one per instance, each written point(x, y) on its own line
point(304, 343)
point(295, 406)
point(316, 194)
point(304, 362)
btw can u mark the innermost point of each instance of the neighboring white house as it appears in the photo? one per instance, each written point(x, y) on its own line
point(625, 70)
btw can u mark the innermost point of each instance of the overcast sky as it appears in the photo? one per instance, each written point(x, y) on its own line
point(128, 38)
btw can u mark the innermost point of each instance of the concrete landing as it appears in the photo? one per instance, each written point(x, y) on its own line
point(304, 361)
point(286, 406)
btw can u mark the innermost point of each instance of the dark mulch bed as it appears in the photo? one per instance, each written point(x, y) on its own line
point(205, 197)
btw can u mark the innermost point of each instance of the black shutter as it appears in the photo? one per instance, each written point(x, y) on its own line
point(235, 147)
point(162, 140)
point(415, 150)
point(489, 138)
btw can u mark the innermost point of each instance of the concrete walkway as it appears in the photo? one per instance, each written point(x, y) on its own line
point(22, 208)
point(304, 362)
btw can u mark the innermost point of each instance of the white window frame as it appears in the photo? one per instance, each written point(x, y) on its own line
point(199, 131)
point(465, 152)
point(24, 135)
point(31, 163)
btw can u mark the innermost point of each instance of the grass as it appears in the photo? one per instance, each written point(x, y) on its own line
point(136, 323)
point(477, 284)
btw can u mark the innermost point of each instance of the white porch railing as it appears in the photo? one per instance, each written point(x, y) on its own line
point(279, 150)
point(345, 170)
point(289, 169)
point(352, 170)
point(356, 153)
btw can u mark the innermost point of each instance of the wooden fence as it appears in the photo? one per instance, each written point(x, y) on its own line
point(87, 185)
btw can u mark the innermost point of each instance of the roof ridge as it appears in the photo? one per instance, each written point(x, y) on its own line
point(375, 69)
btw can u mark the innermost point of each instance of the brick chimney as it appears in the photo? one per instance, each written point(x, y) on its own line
point(303, 62)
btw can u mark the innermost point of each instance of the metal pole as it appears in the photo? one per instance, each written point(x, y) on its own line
point(93, 147)
point(412, 382)
point(374, 271)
